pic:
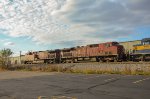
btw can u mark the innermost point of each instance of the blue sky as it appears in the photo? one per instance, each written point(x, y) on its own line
point(50, 24)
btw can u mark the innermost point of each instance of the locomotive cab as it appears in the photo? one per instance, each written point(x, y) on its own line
point(146, 41)
point(115, 43)
point(30, 57)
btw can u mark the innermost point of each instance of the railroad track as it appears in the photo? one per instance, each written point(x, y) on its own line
point(115, 62)
point(84, 63)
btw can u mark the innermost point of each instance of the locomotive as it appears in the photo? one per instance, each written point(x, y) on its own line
point(103, 52)
point(141, 52)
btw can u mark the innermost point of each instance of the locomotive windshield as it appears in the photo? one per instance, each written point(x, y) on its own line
point(146, 41)
point(93, 45)
point(115, 43)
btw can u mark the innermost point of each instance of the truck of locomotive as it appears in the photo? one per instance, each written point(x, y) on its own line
point(110, 51)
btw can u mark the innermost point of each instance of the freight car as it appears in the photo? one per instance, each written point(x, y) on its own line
point(142, 51)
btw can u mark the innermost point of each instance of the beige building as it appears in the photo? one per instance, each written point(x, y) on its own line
point(129, 45)
point(17, 60)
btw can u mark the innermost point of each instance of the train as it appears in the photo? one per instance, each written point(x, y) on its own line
point(102, 52)
point(141, 52)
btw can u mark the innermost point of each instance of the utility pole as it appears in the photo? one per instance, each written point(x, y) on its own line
point(20, 57)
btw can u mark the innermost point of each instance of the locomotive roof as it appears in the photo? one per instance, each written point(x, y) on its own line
point(103, 43)
point(92, 44)
point(68, 48)
point(111, 42)
point(146, 39)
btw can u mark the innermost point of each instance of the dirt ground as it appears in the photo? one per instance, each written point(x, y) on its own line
point(21, 74)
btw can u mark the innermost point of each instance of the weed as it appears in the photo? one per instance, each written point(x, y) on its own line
point(128, 70)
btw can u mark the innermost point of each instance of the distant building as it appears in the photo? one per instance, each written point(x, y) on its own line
point(128, 45)
point(17, 60)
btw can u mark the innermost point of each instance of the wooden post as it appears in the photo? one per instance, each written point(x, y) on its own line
point(20, 57)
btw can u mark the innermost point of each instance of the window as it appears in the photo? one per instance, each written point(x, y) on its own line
point(146, 43)
point(115, 43)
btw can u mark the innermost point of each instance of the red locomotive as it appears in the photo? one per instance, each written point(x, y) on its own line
point(110, 51)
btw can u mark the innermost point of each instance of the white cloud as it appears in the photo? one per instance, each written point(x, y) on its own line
point(17, 53)
point(4, 40)
point(73, 22)
point(9, 44)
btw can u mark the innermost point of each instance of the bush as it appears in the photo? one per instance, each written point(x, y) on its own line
point(4, 58)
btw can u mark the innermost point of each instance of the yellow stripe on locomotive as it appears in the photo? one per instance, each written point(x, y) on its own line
point(141, 47)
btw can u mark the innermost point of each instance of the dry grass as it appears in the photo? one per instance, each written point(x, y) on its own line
point(3, 68)
point(128, 70)
point(36, 68)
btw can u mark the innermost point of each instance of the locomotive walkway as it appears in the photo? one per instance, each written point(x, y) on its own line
point(31, 85)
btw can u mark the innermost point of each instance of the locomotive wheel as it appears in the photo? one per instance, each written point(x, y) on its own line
point(101, 60)
point(75, 61)
point(107, 60)
point(115, 60)
point(97, 59)
point(72, 62)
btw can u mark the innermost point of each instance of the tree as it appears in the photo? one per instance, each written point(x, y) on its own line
point(4, 56)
